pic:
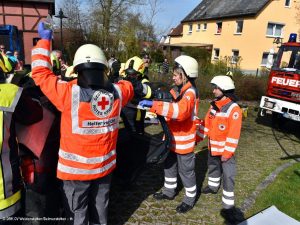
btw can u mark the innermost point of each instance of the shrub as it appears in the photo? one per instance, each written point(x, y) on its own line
point(203, 56)
point(251, 88)
point(157, 56)
point(248, 87)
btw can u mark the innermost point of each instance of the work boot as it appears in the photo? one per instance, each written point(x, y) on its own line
point(208, 190)
point(230, 215)
point(183, 208)
point(161, 196)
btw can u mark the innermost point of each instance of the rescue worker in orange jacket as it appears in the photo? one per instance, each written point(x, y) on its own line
point(222, 125)
point(15, 106)
point(90, 110)
point(181, 118)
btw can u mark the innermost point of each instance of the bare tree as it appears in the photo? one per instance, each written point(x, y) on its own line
point(73, 27)
point(132, 32)
point(154, 9)
point(108, 23)
point(72, 11)
point(108, 17)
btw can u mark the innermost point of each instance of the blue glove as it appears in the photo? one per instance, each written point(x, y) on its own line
point(146, 103)
point(44, 33)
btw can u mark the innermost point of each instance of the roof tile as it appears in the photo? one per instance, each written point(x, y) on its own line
point(216, 9)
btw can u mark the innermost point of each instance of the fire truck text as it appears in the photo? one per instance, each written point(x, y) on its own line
point(286, 82)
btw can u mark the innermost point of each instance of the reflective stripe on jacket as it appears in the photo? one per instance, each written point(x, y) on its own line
point(10, 179)
point(148, 93)
point(5, 65)
point(89, 120)
point(200, 130)
point(181, 117)
point(223, 128)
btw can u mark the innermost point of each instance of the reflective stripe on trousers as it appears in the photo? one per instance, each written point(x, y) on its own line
point(185, 165)
point(215, 168)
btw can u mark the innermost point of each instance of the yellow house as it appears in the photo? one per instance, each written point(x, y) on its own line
point(241, 31)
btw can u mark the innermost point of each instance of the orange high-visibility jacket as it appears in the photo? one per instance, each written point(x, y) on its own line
point(89, 120)
point(181, 117)
point(223, 128)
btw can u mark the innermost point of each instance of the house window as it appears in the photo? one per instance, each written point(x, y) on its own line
point(264, 60)
point(274, 30)
point(205, 26)
point(216, 53)
point(219, 27)
point(239, 26)
point(198, 26)
point(235, 56)
point(190, 28)
point(287, 3)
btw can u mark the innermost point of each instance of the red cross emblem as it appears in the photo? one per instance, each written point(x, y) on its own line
point(103, 103)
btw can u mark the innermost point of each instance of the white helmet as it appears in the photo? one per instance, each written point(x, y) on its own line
point(89, 53)
point(188, 64)
point(225, 83)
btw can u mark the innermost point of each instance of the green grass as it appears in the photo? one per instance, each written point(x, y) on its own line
point(284, 193)
point(262, 148)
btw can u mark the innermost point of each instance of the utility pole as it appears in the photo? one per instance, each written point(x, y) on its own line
point(61, 16)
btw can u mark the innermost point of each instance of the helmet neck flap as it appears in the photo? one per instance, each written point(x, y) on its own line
point(92, 75)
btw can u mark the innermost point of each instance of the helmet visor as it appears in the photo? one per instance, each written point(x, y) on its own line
point(130, 72)
point(94, 79)
point(92, 75)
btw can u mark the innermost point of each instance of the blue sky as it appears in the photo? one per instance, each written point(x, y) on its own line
point(171, 13)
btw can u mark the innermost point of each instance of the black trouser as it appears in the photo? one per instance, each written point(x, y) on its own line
point(44, 199)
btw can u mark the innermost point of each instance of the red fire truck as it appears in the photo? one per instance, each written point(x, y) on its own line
point(283, 92)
